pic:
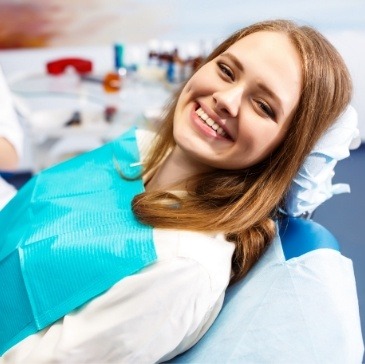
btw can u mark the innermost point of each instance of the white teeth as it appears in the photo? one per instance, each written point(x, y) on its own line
point(210, 122)
point(205, 117)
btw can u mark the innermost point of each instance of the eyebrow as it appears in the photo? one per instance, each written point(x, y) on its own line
point(260, 85)
point(234, 59)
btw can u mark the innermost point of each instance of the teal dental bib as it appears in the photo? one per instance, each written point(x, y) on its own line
point(69, 235)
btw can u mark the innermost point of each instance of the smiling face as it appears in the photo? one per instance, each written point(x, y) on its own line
point(236, 109)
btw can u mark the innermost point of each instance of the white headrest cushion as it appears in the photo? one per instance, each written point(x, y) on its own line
point(313, 183)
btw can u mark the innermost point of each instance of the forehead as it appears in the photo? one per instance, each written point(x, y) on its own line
point(270, 48)
point(264, 40)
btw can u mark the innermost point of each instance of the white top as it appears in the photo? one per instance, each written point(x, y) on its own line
point(11, 130)
point(145, 318)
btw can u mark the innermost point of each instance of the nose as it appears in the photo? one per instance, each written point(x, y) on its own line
point(228, 101)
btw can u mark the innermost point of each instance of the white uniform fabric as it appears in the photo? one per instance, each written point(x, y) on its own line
point(145, 318)
point(11, 130)
point(302, 310)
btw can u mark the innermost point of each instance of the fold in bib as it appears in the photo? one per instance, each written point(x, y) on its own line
point(69, 235)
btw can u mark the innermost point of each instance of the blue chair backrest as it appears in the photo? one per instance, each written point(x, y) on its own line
point(299, 236)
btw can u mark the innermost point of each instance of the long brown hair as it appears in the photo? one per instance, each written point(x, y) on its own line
point(243, 203)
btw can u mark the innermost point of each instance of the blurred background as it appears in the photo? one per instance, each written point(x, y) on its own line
point(37, 23)
point(164, 24)
point(34, 32)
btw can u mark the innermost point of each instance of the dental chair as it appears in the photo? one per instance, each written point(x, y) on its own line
point(273, 315)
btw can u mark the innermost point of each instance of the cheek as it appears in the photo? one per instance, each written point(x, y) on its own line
point(249, 134)
point(201, 82)
point(185, 95)
point(187, 87)
point(261, 140)
point(190, 88)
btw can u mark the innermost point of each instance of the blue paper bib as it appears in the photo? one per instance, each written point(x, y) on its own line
point(69, 235)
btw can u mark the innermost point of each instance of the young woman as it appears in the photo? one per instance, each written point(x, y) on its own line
point(93, 284)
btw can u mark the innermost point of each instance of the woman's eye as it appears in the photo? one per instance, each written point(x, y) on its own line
point(266, 109)
point(226, 71)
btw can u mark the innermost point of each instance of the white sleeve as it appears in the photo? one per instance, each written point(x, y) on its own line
point(139, 320)
point(10, 127)
point(145, 318)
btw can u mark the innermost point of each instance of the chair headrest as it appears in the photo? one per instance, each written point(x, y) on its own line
point(313, 183)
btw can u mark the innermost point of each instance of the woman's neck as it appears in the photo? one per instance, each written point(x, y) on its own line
point(173, 172)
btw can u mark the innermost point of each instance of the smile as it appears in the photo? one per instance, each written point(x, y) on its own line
point(211, 123)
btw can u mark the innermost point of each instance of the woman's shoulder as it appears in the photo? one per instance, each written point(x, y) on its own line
point(144, 139)
point(211, 252)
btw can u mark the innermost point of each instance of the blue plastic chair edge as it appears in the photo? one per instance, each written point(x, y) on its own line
point(300, 236)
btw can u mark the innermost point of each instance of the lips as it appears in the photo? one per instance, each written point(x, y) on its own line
point(211, 123)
